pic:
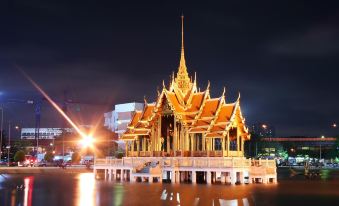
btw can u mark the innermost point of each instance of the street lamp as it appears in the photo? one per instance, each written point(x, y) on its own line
point(322, 137)
point(264, 126)
point(87, 141)
point(1, 130)
point(9, 141)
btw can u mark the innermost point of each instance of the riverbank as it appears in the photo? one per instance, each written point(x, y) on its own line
point(43, 170)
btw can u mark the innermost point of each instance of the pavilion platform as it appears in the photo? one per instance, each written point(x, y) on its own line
point(209, 170)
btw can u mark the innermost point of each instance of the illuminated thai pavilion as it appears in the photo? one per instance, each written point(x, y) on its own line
point(185, 121)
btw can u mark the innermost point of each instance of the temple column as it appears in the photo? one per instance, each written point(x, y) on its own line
point(208, 177)
point(187, 140)
point(242, 146)
point(138, 146)
point(132, 147)
point(194, 177)
point(203, 142)
point(174, 136)
point(192, 144)
point(126, 148)
point(151, 146)
point(179, 137)
point(223, 146)
point(207, 146)
point(228, 144)
point(159, 134)
point(212, 144)
point(182, 141)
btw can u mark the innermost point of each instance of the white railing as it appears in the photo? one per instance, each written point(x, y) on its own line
point(196, 162)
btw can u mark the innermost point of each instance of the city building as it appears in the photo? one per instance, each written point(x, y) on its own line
point(117, 120)
point(302, 146)
point(187, 136)
point(44, 133)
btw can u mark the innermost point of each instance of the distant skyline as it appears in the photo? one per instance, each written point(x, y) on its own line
point(281, 56)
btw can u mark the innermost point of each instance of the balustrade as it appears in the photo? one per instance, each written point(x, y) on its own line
point(213, 162)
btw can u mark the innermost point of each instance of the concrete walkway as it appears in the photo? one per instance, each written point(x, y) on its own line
point(37, 170)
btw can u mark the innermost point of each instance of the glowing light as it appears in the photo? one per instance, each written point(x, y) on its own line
point(28, 192)
point(264, 126)
point(87, 141)
point(322, 137)
point(334, 125)
point(16, 127)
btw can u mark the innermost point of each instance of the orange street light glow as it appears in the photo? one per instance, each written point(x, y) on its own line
point(87, 141)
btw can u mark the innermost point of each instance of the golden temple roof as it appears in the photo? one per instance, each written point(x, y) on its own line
point(194, 109)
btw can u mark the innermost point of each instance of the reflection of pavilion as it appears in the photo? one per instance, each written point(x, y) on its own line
point(185, 127)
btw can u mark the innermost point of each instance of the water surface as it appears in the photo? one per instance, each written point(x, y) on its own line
point(83, 190)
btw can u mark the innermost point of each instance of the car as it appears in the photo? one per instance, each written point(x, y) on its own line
point(44, 163)
point(30, 161)
point(3, 162)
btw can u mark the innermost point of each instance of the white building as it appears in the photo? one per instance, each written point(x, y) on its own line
point(118, 119)
point(44, 133)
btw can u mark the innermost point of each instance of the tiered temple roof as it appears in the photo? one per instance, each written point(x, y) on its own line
point(196, 110)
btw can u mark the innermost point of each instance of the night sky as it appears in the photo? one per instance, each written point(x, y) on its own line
point(281, 55)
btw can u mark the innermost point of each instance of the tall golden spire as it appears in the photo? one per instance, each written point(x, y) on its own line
point(182, 58)
point(182, 80)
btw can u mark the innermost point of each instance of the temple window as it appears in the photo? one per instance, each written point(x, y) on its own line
point(217, 144)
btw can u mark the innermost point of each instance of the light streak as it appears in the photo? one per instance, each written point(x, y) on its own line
point(50, 100)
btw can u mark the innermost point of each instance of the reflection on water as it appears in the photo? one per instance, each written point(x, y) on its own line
point(84, 190)
point(118, 194)
point(28, 190)
point(174, 198)
point(13, 198)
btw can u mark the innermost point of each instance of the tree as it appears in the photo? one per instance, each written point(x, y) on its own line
point(49, 156)
point(76, 157)
point(18, 145)
point(19, 156)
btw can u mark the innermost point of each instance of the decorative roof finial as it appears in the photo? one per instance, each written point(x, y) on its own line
point(223, 92)
point(158, 92)
point(182, 65)
point(145, 100)
point(182, 80)
point(182, 39)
